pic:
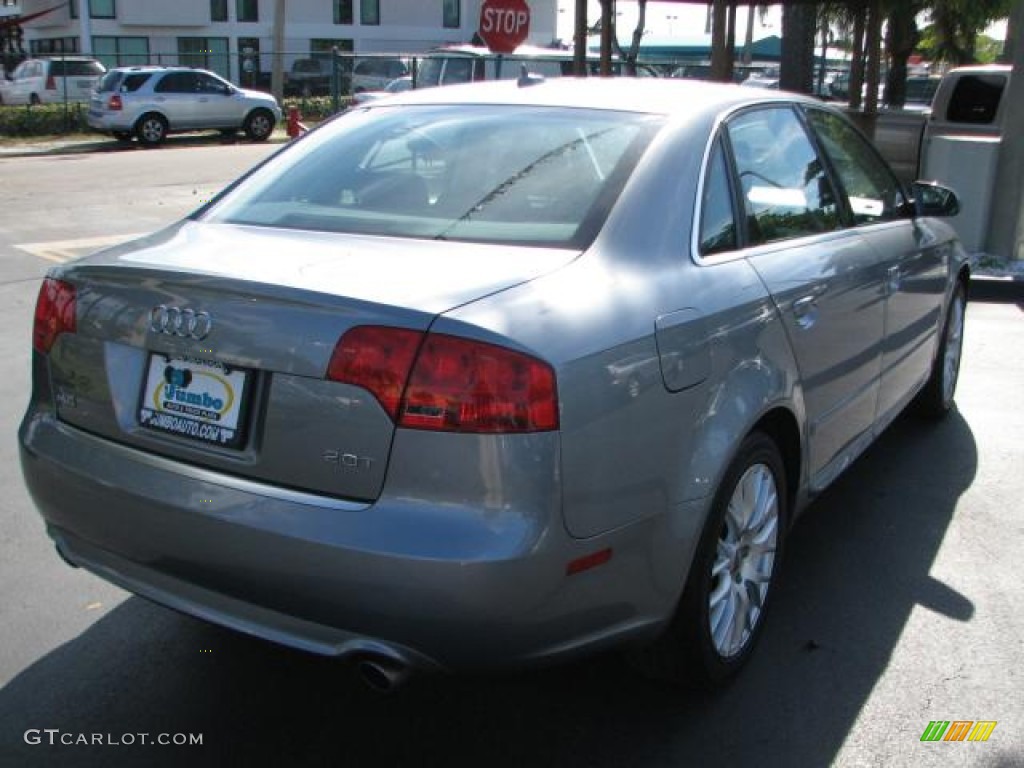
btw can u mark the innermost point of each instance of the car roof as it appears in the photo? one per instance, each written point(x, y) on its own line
point(667, 96)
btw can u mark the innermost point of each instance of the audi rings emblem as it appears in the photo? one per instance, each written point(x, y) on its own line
point(186, 323)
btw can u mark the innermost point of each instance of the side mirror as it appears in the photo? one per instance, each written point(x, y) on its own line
point(931, 199)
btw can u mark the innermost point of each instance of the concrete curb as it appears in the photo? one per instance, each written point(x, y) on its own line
point(102, 145)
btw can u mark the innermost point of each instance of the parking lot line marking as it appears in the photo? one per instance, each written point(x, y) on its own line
point(65, 250)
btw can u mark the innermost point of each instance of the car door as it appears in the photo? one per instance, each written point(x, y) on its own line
point(217, 106)
point(825, 279)
point(915, 265)
point(176, 95)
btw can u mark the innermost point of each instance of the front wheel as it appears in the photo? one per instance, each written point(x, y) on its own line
point(936, 399)
point(721, 612)
point(259, 125)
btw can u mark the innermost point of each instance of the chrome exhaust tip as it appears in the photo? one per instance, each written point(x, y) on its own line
point(382, 674)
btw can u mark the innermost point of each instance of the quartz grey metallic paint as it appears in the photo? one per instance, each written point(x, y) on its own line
point(333, 531)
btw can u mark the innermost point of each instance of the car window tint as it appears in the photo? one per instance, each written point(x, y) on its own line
point(134, 81)
point(786, 192)
point(458, 71)
point(177, 82)
point(871, 189)
point(975, 99)
point(207, 84)
point(717, 218)
point(533, 176)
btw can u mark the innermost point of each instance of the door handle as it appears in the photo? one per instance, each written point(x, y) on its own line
point(893, 280)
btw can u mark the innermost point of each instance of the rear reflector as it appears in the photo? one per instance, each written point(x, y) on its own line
point(587, 562)
point(55, 313)
point(447, 383)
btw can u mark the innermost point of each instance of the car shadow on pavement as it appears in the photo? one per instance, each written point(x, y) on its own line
point(857, 564)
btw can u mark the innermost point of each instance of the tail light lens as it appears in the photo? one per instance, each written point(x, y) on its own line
point(377, 359)
point(446, 383)
point(114, 103)
point(51, 84)
point(55, 314)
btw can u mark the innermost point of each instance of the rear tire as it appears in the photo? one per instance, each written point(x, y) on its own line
point(259, 125)
point(936, 399)
point(151, 130)
point(33, 100)
point(720, 615)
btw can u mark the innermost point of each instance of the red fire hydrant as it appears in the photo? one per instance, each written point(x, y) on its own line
point(295, 127)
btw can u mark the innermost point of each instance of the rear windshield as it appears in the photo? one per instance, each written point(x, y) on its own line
point(532, 176)
point(60, 68)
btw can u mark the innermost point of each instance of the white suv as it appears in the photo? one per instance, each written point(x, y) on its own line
point(151, 102)
point(51, 81)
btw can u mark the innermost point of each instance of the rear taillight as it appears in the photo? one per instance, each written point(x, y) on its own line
point(114, 103)
point(377, 359)
point(55, 314)
point(447, 383)
point(51, 84)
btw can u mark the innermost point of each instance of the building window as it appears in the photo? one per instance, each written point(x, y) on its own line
point(53, 45)
point(98, 9)
point(342, 11)
point(102, 9)
point(206, 52)
point(452, 14)
point(120, 51)
point(247, 10)
point(369, 12)
point(218, 10)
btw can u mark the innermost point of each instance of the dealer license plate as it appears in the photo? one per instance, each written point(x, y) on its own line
point(198, 399)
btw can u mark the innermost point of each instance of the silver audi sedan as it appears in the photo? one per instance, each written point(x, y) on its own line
point(496, 374)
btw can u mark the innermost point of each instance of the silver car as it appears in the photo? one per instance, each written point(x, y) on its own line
point(496, 374)
point(150, 102)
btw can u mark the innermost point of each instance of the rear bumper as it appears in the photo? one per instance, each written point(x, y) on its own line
point(101, 121)
point(425, 583)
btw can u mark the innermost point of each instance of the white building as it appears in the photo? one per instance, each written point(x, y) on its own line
point(216, 33)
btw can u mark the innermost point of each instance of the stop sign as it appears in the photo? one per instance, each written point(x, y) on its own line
point(504, 24)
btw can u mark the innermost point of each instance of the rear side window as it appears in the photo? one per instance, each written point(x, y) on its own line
point(975, 99)
point(134, 81)
point(786, 192)
point(178, 82)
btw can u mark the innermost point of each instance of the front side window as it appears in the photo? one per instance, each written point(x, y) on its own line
point(786, 192)
point(369, 12)
point(717, 217)
point(343, 12)
point(452, 14)
point(533, 176)
point(871, 190)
